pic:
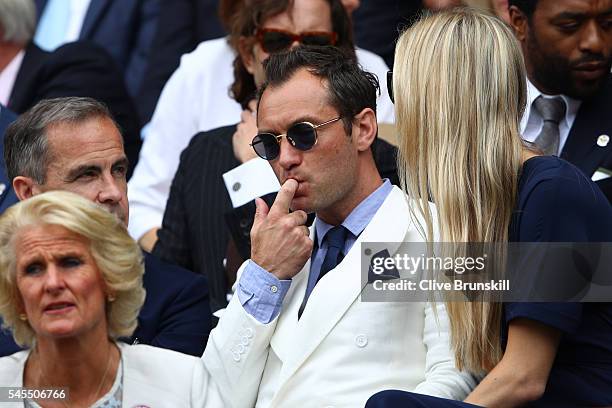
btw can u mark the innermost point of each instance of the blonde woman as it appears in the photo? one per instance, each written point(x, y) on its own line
point(70, 286)
point(460, 89)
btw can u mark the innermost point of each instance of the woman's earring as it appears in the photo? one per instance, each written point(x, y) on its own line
point(23, 317)
point(111, 298)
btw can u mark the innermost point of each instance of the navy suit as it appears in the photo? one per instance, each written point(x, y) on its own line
point(581, 149)
point(125, 28)
point(176, 313)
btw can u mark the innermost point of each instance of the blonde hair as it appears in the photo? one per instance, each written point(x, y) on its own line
point(460, 91)
point(117, 256)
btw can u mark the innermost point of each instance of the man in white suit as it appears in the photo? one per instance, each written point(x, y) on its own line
point(297, 333)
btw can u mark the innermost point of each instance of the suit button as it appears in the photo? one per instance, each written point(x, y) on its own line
point(236, 357)
point(361, 340)
point(244, 223)
point(248, 332)
point(240, 348)
point(244, 341)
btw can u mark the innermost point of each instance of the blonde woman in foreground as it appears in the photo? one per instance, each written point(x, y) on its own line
point(70, 287)
point(460, 90)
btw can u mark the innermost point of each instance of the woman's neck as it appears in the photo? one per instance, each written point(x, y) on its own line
point(87, 367)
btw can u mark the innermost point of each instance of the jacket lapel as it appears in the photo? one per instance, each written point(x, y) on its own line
point(94, 13)
point(592, 121)
point(338, 289)
point(24, 87)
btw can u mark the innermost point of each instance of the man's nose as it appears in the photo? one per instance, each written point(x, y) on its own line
point(111, 190)
point(289, 156)
point(594, 40)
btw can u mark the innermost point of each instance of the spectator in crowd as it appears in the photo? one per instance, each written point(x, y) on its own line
point(183, 24)
point(124, 28)
point(197, 98)
point(546, 354)
point(29, 74)
point(73, 144)
point(285, 335)
point(194, 232)
point(70, 288)
point(377, 24)
point(567, 46)
point(7, 194)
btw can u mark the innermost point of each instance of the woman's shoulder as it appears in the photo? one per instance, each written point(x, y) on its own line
point(11, 368)
point(551, 180)
point(557, 202)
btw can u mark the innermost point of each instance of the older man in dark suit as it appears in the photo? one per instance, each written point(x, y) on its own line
point(88, 159)
point(567, 46)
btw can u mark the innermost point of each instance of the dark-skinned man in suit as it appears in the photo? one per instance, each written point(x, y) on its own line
point(567, 45)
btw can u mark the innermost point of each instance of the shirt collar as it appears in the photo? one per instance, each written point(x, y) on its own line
point(361, 215)
point(572, 105)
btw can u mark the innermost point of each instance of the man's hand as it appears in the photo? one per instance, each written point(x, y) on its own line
point(245, 132)
point(280, 241)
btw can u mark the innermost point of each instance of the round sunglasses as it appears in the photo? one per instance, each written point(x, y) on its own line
point(274, 40)
point(302, 136)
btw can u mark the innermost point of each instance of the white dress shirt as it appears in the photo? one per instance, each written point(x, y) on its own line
point(531, 123)
point(8, 77)
point(196, 99)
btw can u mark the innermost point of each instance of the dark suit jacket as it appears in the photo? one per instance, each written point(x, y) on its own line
point(125, 28)
point(594, 119)
point(176, 313)
point(194, 231)
point(183, 24)
point(7, 194)
point(77, 69)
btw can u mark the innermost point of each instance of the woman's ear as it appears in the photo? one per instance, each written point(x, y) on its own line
point(245, 50)
point(365, 129)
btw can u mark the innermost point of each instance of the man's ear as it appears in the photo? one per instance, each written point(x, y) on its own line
point(245, 49)
point(519, 23)
point(25, 187)
point(365, 129)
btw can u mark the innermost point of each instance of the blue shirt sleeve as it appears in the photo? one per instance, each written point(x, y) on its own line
point(260, 293)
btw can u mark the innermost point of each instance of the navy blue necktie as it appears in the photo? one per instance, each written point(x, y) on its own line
point(335, 238)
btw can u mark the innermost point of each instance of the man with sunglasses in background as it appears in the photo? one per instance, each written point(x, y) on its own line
point(196, 97)
point(194, 232)
point(297, 333)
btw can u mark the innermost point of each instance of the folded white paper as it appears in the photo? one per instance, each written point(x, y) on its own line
point(250, 180)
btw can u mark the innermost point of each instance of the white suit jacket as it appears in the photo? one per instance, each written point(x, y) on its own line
point(341, 350)
point(152, 377)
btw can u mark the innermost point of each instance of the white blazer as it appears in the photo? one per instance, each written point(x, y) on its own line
point(152, 377)
point(341, 350)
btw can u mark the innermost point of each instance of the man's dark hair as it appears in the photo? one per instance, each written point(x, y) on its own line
point(26, 148)
point(252, 14)
point(526, 6)
point(350, 88)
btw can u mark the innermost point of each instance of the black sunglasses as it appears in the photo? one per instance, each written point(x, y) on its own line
point(302, 136)
point(274, 40)
point(390, 85)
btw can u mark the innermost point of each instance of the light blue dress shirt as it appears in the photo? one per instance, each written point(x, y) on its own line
point(261, 293)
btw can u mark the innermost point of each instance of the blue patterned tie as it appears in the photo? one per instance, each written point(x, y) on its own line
point(335, 238)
